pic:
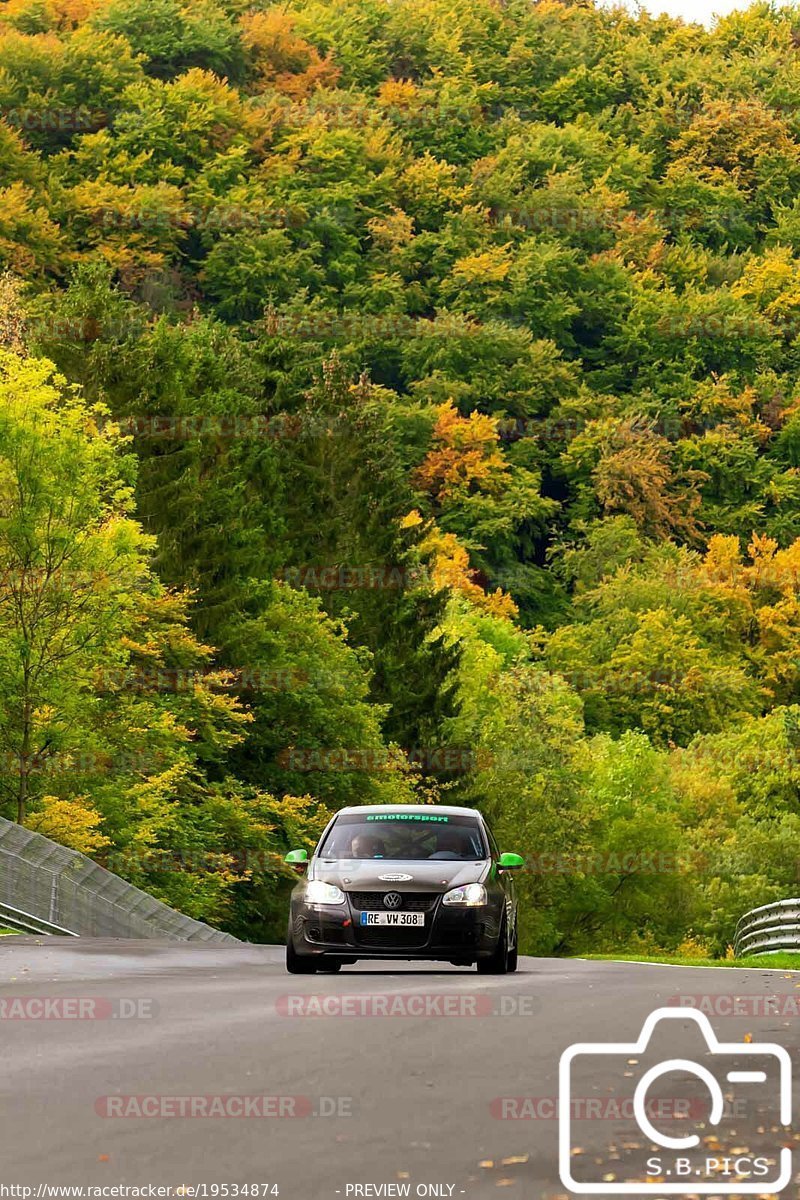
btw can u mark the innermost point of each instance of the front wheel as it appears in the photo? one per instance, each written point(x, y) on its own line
point(497, 962)
point(298, 964)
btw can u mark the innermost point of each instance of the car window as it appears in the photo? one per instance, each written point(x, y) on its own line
point(405, 836)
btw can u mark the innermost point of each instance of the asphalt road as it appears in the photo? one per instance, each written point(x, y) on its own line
point(461, 1098)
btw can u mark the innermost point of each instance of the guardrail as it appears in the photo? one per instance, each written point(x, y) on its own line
point(47, 888)
point(23, 922)
point(768, 929)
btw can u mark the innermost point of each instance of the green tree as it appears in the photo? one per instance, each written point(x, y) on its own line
point(73, 561)
point(172, 37)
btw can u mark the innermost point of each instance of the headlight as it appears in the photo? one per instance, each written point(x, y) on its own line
point(318, 892)
point(469, 896)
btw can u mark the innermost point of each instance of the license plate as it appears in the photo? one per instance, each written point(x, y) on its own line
point(392, 918)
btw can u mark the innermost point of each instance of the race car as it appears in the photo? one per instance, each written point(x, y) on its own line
point(404, 881)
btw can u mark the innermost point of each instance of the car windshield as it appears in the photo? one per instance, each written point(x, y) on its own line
point(408, 836)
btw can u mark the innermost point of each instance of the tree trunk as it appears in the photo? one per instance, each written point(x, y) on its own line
point(22, 795)
point(24, 764)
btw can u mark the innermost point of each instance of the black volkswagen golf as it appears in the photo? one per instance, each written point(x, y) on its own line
point(404, 881)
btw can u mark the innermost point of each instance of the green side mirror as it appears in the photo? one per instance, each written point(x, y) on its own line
point(298, 860)
point(510, 862)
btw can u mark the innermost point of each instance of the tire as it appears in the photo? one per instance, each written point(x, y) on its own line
point(329, 968)
point(298, 964)
point(497, 962)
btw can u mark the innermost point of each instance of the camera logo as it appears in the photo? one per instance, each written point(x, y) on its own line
point(685, 1163)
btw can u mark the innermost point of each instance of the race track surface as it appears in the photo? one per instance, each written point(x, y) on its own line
point(381, 1075)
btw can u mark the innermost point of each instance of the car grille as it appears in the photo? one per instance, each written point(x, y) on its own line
point(412, 901)
point(391, 937)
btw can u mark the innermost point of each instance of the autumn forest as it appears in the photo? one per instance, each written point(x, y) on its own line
point(399, 401)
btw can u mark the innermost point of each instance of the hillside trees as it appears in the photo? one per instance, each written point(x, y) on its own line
point(457, 346)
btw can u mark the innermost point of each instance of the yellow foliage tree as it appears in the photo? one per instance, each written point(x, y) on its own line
point(450, 569)
point(465, 457)
point(283, 59)
point(70, 822)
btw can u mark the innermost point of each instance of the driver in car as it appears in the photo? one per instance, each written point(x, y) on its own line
point(363, 846)
point(451, 844)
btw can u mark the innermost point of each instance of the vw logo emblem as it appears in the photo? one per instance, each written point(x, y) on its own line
point(393, 900)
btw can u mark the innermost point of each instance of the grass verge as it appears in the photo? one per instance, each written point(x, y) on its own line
point(778, 962)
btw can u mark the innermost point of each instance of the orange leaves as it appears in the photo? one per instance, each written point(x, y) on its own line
point(52, 14)
point(283, 59)
point(450, 569)
point(466, 467)
point(635, 476)
point(72, 13)
point(465, 457)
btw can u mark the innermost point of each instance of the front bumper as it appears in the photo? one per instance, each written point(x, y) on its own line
point(448, 933)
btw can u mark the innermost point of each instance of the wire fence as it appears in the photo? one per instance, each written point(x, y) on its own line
point(768, 929)
point(60, 887)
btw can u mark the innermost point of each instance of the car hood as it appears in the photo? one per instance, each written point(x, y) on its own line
point(425, 876)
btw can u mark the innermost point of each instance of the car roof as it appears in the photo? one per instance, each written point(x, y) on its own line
point(447, 809)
